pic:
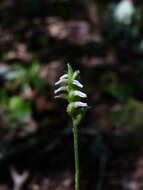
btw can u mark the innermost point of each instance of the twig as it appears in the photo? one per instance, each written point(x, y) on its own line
point(18, 179)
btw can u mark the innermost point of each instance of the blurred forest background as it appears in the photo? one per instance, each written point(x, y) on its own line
point(37, 39)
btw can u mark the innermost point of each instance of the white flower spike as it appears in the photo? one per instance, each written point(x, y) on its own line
point(70, 90)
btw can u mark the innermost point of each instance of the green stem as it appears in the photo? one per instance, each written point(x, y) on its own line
point(76, 154)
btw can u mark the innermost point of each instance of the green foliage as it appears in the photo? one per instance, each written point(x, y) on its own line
point(129, 118)
point(19, 108)
point(13, 106)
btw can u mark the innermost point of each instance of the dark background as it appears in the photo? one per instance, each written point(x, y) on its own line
point(37, 39)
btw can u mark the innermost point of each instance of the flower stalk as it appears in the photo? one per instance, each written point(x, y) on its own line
point(70, 89)
point(76, 156)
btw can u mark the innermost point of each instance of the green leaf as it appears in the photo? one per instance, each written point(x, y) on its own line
point(19, 108)
point(70, 71)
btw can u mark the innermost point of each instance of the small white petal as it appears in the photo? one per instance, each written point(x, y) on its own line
point(61, 81)
point(76, 73)
point(77, 83)
point(80, 94)
point(56, 83)
point(60, 96)
point(64, 76)
point(62, 88)
point(80, 104)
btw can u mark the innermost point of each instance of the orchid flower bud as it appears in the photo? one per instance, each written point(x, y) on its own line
point(77, 93)
point(70, 90)
point(77, 83)
point(62, 80)
point(64, 76)
point(62, 88)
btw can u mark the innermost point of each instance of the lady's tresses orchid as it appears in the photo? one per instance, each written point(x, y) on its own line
point(70, 89)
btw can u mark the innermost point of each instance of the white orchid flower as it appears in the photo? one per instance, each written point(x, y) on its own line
point(79, 104)
point(77, 83)
point(64, 76)
point(61, 81)
point(78, 93)
point(62, 88)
